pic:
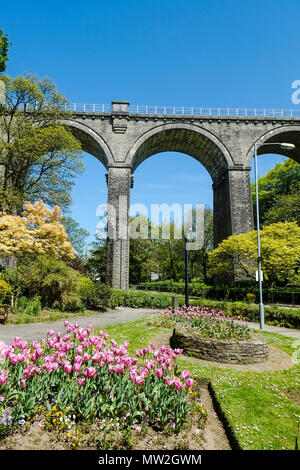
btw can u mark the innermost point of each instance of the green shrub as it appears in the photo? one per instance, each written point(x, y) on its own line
point(196, 289)
point(5, 291)
point(53, 281)
point(138, 299)
point(93, 295)
point(28, 306)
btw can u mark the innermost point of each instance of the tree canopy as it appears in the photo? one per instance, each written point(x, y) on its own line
point(274, 191)
point(280, 250)
point(4, 44)
point(77, 234)
point(37, 231)
point(39, 157)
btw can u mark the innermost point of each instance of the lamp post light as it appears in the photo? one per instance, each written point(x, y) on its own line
point(286, 146)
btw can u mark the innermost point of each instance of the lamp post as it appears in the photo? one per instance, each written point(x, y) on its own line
point(286, 146)
point(187, 232)
point(186, 271)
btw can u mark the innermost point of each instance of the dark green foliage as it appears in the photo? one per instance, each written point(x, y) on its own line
point(52, 280)
point(3, 50)
point(195, 288)
point(94, 295)
point(282, 180)
point(28, 307)
point(136, 299)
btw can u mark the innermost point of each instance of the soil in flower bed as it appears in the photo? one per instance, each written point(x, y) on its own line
point(210, 437)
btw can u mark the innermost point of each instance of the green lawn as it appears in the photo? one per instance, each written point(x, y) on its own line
point(260, 407)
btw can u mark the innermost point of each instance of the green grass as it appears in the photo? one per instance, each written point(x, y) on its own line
point(256, 405)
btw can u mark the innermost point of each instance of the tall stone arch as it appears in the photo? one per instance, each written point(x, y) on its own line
point(231, 185)
point(289, 134)
point(91, 141)
point(231, 182)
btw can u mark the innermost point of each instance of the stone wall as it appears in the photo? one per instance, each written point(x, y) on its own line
point(236, 352)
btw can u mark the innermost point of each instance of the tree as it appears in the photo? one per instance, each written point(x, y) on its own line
point(95, 266)
point(280, 250)
point(39, 157)
point(77, 235)
point(199, 258)
point(3, 50)
point(285, 209)
point(37, 230)
point(282, 180)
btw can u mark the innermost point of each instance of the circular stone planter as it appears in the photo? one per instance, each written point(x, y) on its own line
point(247, 351)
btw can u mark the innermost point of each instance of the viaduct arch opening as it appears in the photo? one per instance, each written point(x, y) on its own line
point(228, 166)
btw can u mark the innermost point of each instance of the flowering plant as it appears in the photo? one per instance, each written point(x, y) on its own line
point(92, 377)
point(206, 322)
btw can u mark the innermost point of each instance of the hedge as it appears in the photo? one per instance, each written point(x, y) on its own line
point(196, 289)
point(138, 299)
point(221, 292)
point(286, 317)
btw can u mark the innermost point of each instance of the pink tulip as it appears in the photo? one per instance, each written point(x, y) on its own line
point(178, 385)
point(168, 380)
point(189, 382)
point(68, 368)
point(38, 352)
point(132, 373)
point(16, 341)
point(139, 380)
point(149, 364)
point(89, 372)
point(22, 383)
point(86, 357)
point(81, 381)
point(185, 374)
point(3, 377)
point(159, 373)
point(96, 357)
point(77, 366)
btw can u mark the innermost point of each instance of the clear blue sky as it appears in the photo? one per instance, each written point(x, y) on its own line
point(161, 52)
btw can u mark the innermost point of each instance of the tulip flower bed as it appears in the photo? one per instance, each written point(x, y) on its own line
point(82, 377)
point(205, 321)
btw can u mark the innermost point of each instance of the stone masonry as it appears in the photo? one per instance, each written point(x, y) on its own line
point(248, 351)
point(223, 144)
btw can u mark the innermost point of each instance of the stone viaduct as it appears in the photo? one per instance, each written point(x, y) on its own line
point(222, 140)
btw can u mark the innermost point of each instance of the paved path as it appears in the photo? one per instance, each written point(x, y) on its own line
point(35, 331)
point(292, 333)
